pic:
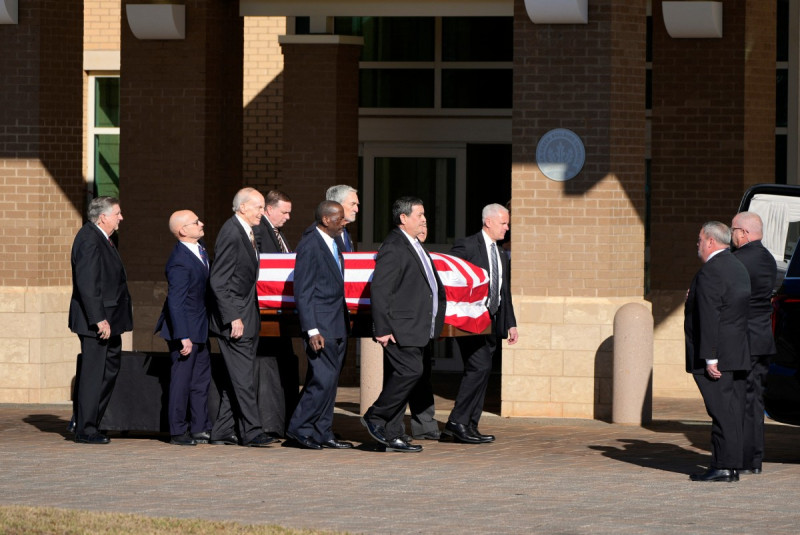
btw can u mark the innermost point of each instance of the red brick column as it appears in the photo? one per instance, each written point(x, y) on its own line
point(577, 246)
point(713, 130)
point(180, 143)
point(320, 120)
point(42, 197)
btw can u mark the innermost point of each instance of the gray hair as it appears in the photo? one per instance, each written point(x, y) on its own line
point(338, 193)
point(492, 210)
point(241, 197)
point(99, 206)
point(719, 232)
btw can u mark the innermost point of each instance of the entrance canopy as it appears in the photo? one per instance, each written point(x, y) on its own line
point(383, 8)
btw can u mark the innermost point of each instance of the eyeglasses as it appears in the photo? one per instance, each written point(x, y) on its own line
point(195, 222)
point(734, 229)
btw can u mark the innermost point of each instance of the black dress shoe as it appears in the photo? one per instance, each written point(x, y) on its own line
point(183, 440)
point(430, 435)
point(460, 433)
point(71, 425)
point(750, 471)
point(304, 442)
point(337, 444)
point(407, 438)
point(202, 437)
point(94, 438)
point(398, 444)
point(717, 474)
point(473, 430)
point(259, 441)
point(227, 441)
point(376, 432)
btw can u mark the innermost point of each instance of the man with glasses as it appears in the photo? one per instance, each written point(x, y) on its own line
point(184, 325)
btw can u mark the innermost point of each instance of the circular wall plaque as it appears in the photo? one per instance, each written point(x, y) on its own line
point(560, 154)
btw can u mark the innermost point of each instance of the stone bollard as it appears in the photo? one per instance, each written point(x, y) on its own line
point(633, 365)
point(371, 372)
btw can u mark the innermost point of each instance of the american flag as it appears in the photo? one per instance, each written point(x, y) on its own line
point(465, 284)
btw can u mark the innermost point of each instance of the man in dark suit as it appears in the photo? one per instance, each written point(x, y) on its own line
point(717, 349)
point(99, 312)
point(325, 323)
point(746, 234)
point(347, 196)
point(408, 308)
point(277, 369)
point(184, 325)
point(236, 322)
point(476, 351)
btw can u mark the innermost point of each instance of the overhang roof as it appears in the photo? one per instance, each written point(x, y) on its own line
point(375, 8)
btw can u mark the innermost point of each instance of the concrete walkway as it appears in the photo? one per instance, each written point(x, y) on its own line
point(540, 476)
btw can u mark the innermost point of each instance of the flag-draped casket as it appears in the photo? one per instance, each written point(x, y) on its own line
point(466, 286)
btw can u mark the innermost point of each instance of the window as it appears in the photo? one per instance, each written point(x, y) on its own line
point(103, 142)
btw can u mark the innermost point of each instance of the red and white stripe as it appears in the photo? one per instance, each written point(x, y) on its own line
point(466, 286)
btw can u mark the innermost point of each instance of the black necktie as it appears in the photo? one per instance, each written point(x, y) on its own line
point(494, 285)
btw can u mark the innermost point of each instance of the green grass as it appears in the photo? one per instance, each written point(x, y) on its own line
point(19, 520)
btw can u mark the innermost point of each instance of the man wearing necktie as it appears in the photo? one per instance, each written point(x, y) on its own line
point(184, 325)
point(348, 198)
point(99, 312)
point(277, 368)
point(325, 324)
point(236, 322)
point(477, 351)
point(408, 308)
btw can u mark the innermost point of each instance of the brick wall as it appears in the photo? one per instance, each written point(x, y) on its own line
point(41, 196)
point(263, 102)
point(180, 143)
point(713, 136)
point(102, 24)
point(320, 131)
point(578, 246)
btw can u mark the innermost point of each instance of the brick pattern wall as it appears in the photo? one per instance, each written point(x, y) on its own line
point(41, 197)
point(263, 102)
point(713, 132)
point(713, 136)
point(577, 246)
point(320, 130)
point(181, 143)
point(583, 237)
point(102, 24)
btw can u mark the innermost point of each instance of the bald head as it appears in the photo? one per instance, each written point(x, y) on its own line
point(186, 226)
point(746, 227)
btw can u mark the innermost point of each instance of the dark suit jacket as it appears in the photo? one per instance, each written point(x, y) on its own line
point(184, 314)
point(99, 285)
point(319, 288)
point(715, 316)
point(401, 297)
point(473, 250)
point(763, 271)
point(265, 237)
point(233, 281)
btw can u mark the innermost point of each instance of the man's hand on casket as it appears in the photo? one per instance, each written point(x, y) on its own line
point(384, 340)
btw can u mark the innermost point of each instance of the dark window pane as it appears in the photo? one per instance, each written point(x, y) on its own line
point(782, 31)
point(391, 38)
point(106, 165)
point(476, 88)
point(780, 159)
point(106, 102)
point(477, 38)
point(302, 25)
point(396, 88)
point(781, 97)
point(430, 179)
point(488, 181)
